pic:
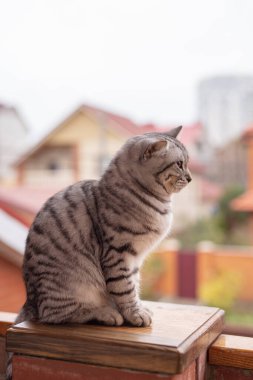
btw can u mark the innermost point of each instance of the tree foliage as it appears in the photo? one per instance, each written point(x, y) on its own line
point(228, 218)
point(224, 226)
point(222, 290)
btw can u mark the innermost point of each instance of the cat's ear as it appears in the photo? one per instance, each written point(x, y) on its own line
point(174, 132)
point(155, 148)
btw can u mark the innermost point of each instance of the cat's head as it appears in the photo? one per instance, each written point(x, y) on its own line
point(158, 159)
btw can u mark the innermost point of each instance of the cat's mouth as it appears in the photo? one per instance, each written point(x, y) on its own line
point(180, 184)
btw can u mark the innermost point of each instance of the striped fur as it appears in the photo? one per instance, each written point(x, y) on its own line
point(87, 244)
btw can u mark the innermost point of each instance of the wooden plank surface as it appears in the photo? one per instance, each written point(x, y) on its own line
point(232, 351)
point(178, 335)
point(227, 373)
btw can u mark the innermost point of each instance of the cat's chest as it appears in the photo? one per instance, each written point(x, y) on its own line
point(143, 245)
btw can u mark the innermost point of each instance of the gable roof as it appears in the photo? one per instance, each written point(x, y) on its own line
point(29, 199)
point(115, 122)
point(119, 123)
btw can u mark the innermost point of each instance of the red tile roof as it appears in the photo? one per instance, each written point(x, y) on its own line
point(244, 202)
point(25, 198)
point(120, 123)
point(210, 191)
point(191, 133)
point(188, 134)
point(248, 133)
point(111, 119)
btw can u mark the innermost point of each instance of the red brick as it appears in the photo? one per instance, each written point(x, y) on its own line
point(29, 368)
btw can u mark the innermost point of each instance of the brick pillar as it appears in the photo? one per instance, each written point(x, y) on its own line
point(173, 348)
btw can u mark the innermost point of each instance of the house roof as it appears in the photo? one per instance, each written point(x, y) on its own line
point(112, 120)
point(248, 133)
point(190, 134)
point(28, 199)
point(116, 122)
point(210, 190)
point(244, 202)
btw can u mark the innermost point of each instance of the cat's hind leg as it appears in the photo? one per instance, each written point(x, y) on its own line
point(82, 303)
point(81, 313)
point(106, 315)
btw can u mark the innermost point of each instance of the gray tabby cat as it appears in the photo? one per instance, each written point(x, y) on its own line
point(86, 246)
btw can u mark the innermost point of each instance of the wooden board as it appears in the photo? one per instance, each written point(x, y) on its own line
point(178, 335)
point(232, 351)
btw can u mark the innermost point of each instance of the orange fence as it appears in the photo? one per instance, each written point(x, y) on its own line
point(163, 276)
point(209, 269)
point(226, 264)
point(160, 272)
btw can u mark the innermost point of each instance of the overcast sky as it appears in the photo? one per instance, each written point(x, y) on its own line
point(141, 58)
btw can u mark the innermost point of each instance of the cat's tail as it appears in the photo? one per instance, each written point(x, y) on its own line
point(27, 313)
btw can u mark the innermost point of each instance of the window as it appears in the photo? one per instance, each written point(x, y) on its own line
point(53, 166)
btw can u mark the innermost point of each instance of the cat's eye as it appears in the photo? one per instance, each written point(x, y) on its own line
point(180, 164)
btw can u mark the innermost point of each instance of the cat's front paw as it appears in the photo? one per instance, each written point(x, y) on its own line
point(138, 316)
point(110, 317)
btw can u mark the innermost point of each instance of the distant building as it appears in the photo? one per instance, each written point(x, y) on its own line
point(245, 201)
point(225, 107)
point(228, 165)
point(83, 144)
point(80, 148)
point(13, 133)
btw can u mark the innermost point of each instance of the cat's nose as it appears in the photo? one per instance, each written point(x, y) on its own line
point(188, 178)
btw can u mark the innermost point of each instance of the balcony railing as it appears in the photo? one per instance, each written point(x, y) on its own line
point(181, 344)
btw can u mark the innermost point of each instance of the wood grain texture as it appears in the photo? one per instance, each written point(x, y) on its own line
point(228, 373)
point(232, 351)
point(178, 335)
point(3, 356)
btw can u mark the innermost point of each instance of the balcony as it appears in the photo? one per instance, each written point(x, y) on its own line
point(184, 342)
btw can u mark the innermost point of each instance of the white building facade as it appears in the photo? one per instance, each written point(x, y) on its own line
point(13, 135)
point(225, 107)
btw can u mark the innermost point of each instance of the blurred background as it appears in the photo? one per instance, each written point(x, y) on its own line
point(79, 77)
